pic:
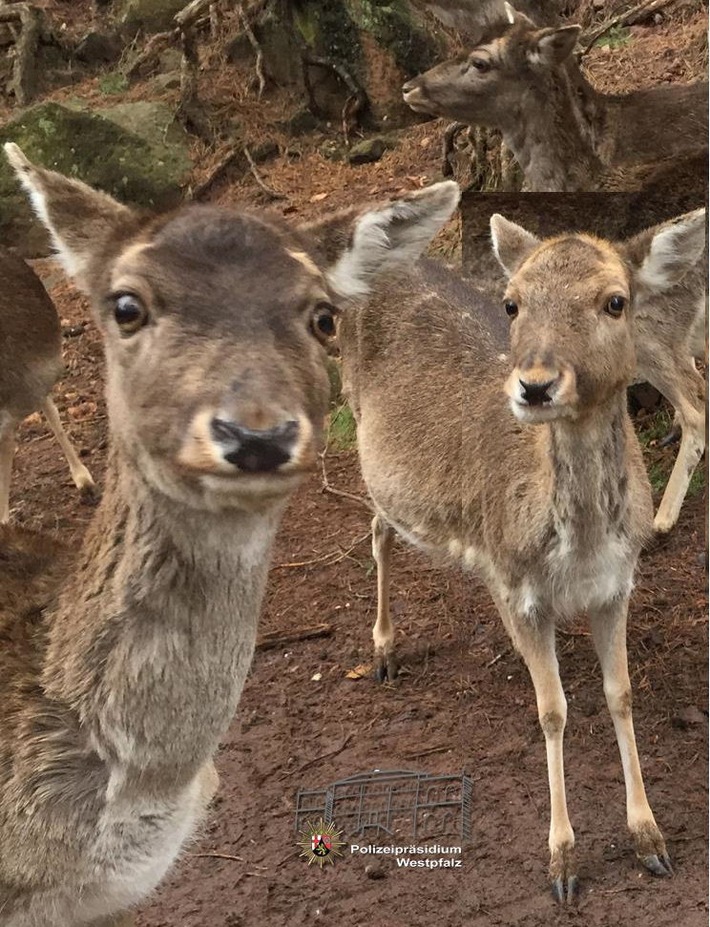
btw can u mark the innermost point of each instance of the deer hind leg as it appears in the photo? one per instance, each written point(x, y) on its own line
point(79, 474)
point(7, 452)
point(687, 393)
point(609, 635)
point(383, 631)
point(536, 645)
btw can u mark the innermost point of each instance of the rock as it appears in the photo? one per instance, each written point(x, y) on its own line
point(169, 81)
point(333, 151)
point(98, 47)
point(134, 151)
point(148, 15)
point(370, 149)
point(170, 59)
point(302, 121)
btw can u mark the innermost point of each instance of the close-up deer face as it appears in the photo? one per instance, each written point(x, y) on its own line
point(571, 301)
point(489, 85)
point(215, 324)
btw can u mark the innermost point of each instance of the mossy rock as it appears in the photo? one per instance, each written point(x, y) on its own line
point(132, 151)
point(148, 15)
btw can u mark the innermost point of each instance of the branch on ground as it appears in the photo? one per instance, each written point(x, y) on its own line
point(628, 18)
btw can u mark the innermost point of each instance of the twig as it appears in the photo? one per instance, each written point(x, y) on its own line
point(237, 859)
point(269, 191)
point(271, 639)
point(232, 155)
point(431, 750)
point(630, 16)
point(323, 756)
point(259, 66)
point(329, 558)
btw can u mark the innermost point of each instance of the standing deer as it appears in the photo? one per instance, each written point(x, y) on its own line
point(30, 365)
point(117, 684)
point(523, 81)
point(525, 469)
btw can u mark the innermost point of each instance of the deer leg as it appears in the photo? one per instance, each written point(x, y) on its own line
point(7, 452)
point(383, 631)
point(692, 444)
point(674, 435)
point(536, 644)
point(79, 474)
point(609, 634)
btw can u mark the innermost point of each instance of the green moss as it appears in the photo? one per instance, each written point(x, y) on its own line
point(327, 27)
point(151, 15)
point(94, 149)
point(113, 82)
point(394, 29)
point(342, 431)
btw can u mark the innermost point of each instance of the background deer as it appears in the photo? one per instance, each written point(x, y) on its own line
point(525, 469)
point(669, 326)
point(117, 681)
point(30, 365)
point(524, 81)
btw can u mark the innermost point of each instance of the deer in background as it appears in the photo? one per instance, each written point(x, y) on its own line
point(525, 469)
point(30, 365)
point(524, 81)
point(119, 674)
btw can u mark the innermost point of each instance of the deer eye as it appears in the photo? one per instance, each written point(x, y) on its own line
point(129, 312)
point(480, 64)
point(615, 306)
point(511, 307)
point(323, 321)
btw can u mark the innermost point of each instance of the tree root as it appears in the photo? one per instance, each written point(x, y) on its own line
point(26, 44)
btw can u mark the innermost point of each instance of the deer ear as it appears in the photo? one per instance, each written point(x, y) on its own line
point(511, 243)
point(553, 46)
point(661, 256)
point(78, 218)
point(359, 247)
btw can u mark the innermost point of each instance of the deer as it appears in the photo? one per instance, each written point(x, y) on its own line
point(30, 365)
point(565, 135)
point(669, 326)
point(120, 672)
point(523, 467)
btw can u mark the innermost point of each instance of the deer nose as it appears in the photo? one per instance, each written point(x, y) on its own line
point(255, 451)
point(535, 394)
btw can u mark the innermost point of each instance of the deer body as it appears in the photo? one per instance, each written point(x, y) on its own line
point(565, 135)
point(531, 476)
point(30, 365)
point(121, 670)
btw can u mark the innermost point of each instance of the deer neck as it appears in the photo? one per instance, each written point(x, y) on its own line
point(152, 636)
point(554, 136)
point(589, 473)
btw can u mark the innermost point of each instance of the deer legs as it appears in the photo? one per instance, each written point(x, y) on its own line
point(7, 452)
point(79, 474)
point(383, 631)
point(536, 644)
point(609, 634)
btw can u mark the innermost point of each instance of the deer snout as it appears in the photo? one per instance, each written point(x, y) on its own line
point(255, 450)
point(412, 92)
point(536, 393)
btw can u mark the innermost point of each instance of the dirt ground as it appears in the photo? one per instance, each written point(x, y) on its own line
point(464, 700)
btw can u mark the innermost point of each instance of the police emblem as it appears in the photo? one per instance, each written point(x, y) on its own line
point(320, 843)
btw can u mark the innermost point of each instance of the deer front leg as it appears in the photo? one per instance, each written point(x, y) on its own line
point(383, 632)
point(7, 452)
point(80, 475)
point(609, 634)
point(535, 640)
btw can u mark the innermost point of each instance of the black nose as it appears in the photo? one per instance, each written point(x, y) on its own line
point(255, 451)
point(410, 85)
point(536, 393)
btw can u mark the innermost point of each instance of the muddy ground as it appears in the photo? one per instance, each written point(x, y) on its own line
point(464, 700)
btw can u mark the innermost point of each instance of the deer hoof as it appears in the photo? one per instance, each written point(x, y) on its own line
point(565, 892)
point(673, 437)
point(386, 668)
point(658, 865)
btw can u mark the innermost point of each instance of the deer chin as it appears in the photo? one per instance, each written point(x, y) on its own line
point(545, 412)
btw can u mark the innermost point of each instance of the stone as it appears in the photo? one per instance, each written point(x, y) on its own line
point(98, 47)
point(148, 15)
point(134, 151)
point(370, 149)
